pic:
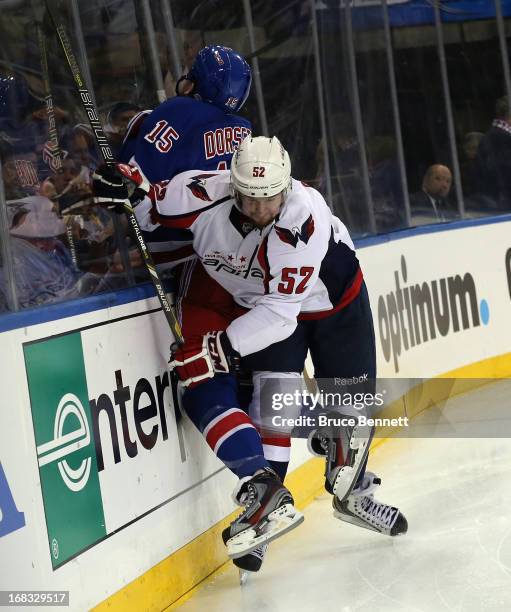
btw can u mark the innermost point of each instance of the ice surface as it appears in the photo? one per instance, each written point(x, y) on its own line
point(456, 495)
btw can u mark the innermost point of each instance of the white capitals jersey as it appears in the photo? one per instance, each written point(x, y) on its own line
point(301, 265)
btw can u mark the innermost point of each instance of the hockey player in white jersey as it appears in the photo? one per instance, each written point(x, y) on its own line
point(274, 245)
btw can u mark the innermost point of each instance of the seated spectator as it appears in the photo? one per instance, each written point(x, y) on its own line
point(494, 158)
point(92, 233)
point(118, 118)
point(69, 187)
point(43, 267)
point(81, 145)
point(89, 234)
point(115, 276)
point(193, 42)
point(431, 203)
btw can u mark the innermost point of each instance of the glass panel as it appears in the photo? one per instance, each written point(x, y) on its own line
point(344, 145)
point(8, 297)
point(424, 124)
point(117, 44)
point(286, 61)
point(481, 113)
point(197, 25)
point(378, 119)
point(63, 246)
point(284, 50)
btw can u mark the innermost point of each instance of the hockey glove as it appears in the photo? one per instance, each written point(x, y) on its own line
point(201, 357)
point(113, 185)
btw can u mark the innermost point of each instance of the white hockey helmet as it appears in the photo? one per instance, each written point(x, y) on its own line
point(260, 167)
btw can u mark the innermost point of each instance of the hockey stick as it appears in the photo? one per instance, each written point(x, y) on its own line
point(106, 153)
point(52, 153)
point(115, 220)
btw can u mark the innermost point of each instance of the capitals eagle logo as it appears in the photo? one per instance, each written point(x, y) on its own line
point(197, 186)
point(293, 236)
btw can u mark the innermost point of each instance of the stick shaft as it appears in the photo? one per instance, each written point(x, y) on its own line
point(106, 153)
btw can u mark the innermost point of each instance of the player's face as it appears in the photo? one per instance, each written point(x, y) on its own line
point(261, 211)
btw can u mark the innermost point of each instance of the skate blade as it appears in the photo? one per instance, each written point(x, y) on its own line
point(282, 520)
point(244, 576)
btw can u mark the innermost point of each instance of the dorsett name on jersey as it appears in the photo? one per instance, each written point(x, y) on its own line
point(302, 265)
point(183, 133)
point(223, 140)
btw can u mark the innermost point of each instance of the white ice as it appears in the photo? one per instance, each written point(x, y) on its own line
point(456, 495)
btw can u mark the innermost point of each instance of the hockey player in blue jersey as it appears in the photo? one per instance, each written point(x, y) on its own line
point(199, 128)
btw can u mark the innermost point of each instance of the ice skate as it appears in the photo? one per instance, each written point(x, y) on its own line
point(269, 513)
point(250, 563)
point(342, 467)
point(361, 509)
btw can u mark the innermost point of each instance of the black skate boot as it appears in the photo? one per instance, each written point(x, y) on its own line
point(345, 451)
point(361, 509)
point(269, 513)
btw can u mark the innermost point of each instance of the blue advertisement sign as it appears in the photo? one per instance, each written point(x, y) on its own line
point(11, 518)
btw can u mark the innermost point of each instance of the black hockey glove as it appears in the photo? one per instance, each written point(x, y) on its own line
point(114, 185)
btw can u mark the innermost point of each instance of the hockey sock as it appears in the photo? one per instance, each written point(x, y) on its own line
point(213, 408)
point(277, 451)
point(280, 467)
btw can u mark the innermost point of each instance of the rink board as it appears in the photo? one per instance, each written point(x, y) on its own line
point(99, 485)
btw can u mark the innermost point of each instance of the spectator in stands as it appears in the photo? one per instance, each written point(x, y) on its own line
point(68, 187)
point(432, 200)
point(118, 118)
point(193, 42)
point(81, 146)
point(43, 267)
point(89, 234)
point(494, 157)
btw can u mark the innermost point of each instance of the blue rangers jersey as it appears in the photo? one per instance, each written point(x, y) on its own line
point(180, 134)
point(302, 265)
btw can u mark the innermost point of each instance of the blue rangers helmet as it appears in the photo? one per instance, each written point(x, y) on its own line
point(221, 77)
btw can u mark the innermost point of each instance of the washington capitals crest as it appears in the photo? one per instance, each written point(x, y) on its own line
point(293, 236)
point(197, 186)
